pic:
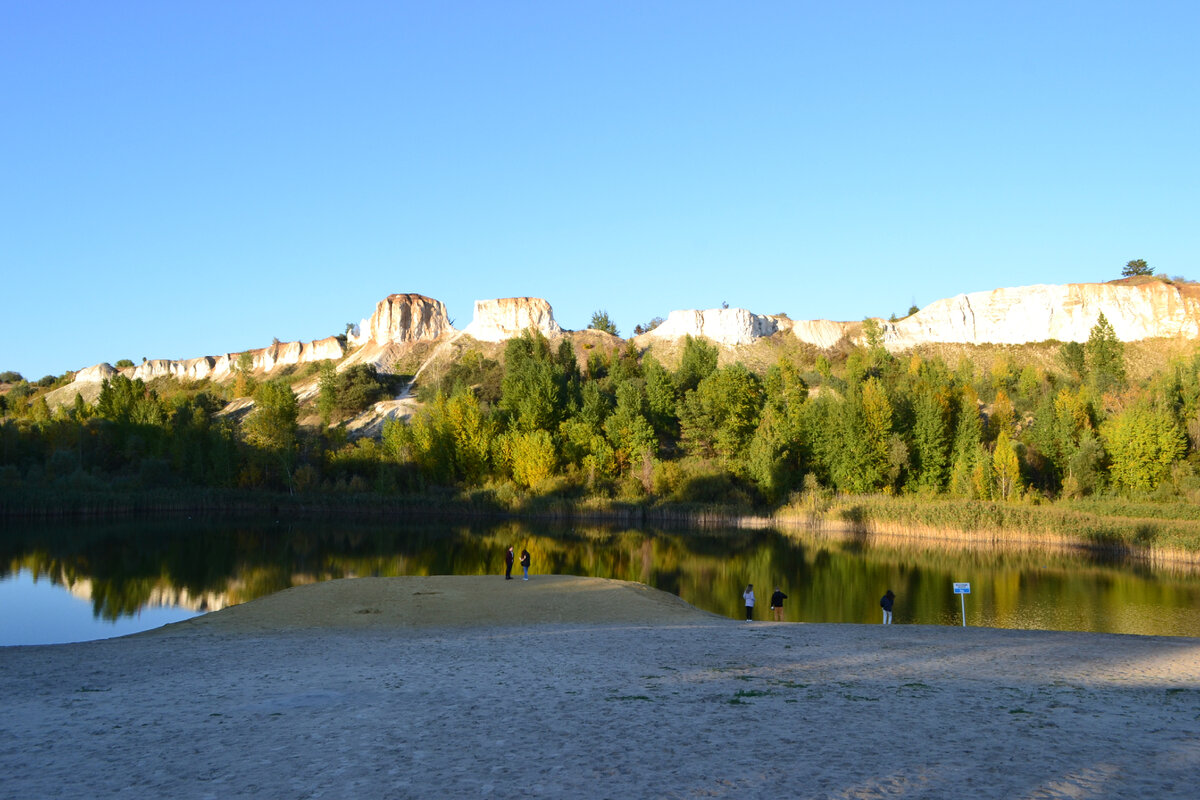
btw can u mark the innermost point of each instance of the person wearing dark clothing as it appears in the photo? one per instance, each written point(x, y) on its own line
point(525, 562)
point(777, 604)
point(885, 603)
point(508, 562)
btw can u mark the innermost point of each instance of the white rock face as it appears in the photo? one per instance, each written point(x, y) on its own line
point(726, 326)
point(1067, 313)
point(95, 374)
point(506, 318)
point(264, 359)
point(402, 318)
point(821, 332)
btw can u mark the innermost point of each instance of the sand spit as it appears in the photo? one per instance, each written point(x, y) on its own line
point(579, 687)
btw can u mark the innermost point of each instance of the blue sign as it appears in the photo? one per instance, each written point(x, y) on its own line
point(962, 588)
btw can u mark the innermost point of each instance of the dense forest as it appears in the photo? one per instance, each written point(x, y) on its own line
point(542, 421)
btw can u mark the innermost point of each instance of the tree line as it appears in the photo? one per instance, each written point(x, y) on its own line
point(623, 425)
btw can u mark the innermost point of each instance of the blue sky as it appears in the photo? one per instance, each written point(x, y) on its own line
point(183, 179)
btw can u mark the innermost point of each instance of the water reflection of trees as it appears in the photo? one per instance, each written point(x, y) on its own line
point(127, 566)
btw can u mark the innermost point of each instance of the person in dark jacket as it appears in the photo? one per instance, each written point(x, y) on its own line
point(885, 603)
point(508, 562)
point(525, 562)
point(777, 604)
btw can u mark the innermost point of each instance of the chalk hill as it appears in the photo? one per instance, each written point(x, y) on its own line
point(1138, 309)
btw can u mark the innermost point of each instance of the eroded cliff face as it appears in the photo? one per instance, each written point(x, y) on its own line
point(1147, 310)
point(403, 318)
point(507, 317)
point(1150, 310)
point(217, 368)
point(263, 359)
point(1020, 315)
point(726, 326)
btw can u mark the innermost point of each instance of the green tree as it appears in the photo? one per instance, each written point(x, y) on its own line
point(862, 453)
point(272, 425)
point(627, 428)
point(533, 391)
point(1073, 359)
point(720, 415)
point(243, 382)
point(1105, 355)
point(359, 387)
point(661, 399)
point(427, 441)
point(128, 402)
point(930, 438)
point(1138, 266)
point(327, 392)
point(968, 445)
point(602, 322)
point(1144, 441)
point(1058, 428)
point(699, 360)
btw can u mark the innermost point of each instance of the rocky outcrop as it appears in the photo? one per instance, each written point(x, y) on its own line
point(506, 318)
point(95, 374)
point(1020, 315)
point(403, 318)
point(726, 326)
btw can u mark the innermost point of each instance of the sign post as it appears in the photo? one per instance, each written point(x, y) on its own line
point(962, 590)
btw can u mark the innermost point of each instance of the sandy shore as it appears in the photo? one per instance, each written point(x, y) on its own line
point(579, 687)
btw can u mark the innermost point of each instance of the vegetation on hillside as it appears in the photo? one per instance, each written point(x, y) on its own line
point(623, 427)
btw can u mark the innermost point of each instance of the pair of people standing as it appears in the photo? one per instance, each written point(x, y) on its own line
point(508, 563)
point(776, 603)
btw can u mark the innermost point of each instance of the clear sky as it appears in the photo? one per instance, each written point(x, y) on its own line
point(191, 178)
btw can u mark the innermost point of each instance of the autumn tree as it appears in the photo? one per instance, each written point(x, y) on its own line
point(1006, 469)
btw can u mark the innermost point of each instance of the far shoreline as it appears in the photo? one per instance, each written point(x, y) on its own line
point(1146, 532)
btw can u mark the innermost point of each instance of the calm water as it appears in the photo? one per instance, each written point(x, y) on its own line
point(87, 581)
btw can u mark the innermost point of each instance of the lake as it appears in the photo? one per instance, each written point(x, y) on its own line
point(78, 581)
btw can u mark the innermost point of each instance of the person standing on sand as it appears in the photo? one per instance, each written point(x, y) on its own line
point(777, 604)
point(508, 562)
point(525, 562)
point(748, 596)
point(885, 603)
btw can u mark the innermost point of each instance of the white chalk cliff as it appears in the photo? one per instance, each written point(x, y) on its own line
point(1147, 309)
point(401, 319)
point(726, 326)
point(506, 318)
point(398, 320)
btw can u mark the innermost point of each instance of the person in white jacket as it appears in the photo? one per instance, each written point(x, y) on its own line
point(748, 596)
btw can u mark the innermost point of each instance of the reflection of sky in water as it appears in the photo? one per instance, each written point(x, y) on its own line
point(42, 612)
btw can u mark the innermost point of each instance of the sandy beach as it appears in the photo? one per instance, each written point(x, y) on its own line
point(580, 687)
